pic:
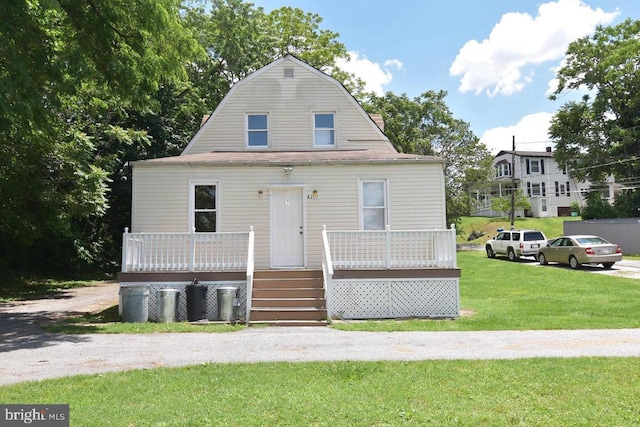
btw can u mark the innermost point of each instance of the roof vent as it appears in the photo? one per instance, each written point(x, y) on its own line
point(288, 73)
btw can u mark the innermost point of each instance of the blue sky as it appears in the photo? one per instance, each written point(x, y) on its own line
point(495, 58)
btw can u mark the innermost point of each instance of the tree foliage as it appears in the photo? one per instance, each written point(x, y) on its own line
point(599, 135)
point(425, 125)
point(64, 63)
point(503, 204)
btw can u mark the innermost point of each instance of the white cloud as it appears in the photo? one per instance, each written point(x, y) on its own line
point(531, 134)
point(502, 63)
point(374, 75)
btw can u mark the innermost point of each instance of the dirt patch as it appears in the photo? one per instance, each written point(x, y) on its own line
point(77, 301)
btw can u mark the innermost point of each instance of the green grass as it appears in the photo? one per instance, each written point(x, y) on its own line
point(531, 392)
point(497, 294)
point(108, 322)
point(551, 227)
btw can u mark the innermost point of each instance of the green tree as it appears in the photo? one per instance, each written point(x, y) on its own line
point(425, 125)
point(599, 135)
point(597, 207)
point(62, 59)
point(503, 204)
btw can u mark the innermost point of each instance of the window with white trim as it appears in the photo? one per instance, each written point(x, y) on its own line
point(535, 166)
point(324, 129)
point(536, 190)
point(257, 130)
point(374, 204)
point(503, 169)
point(204, 207)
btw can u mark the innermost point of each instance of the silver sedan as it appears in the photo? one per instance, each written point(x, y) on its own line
point(578, 250)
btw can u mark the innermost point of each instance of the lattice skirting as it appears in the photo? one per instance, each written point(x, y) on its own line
point(389, 298)
point(212, 297)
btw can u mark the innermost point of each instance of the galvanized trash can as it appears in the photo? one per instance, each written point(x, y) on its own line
point(196, 301)
point(168, 300)
point(228, 303)
point(134, 300)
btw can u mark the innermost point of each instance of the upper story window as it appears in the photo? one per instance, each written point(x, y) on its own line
point(324, 130)
point(257, 130)
point(503, 169)
point(535, 166)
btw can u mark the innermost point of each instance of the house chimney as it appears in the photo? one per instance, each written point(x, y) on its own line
point(204, 119)
point(378, 120)
point(548, 149)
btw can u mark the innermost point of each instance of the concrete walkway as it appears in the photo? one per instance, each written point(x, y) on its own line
point(27, 353)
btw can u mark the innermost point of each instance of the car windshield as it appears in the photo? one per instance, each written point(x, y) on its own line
point(592, 241)
point(533, 235)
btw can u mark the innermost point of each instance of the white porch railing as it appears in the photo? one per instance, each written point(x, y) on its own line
point(392, 249)
point(162, 252)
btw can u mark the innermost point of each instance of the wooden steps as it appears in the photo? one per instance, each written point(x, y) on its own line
point(288, 298)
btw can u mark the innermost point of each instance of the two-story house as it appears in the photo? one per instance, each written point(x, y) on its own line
point(289, 175)
point(549, 189)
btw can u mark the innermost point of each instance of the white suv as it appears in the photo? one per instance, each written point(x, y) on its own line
point(516, 243)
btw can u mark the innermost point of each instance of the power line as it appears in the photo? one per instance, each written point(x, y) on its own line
point(631, 159)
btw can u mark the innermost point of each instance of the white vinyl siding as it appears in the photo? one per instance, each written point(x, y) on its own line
point(290, 103)
point(415, 199)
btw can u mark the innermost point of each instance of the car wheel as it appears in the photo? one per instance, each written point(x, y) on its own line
point(542, 259)
point(512, 254)
point(490, 253)
point(608, 265)
point(573, 262)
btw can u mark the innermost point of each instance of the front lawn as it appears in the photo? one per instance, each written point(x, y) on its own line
point(527, 392)
point(497, 294)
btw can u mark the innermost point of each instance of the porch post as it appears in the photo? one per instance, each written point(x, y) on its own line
point(192, 252)
point(387, 262)
point(125, 249)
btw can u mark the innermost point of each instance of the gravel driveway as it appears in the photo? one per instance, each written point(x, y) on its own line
point(27, 353)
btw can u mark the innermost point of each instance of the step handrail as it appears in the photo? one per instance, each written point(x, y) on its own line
point(327, 270)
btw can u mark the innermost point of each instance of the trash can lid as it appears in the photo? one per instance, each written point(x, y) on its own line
point(196, 285)
point(134, 290)
point(167, 290)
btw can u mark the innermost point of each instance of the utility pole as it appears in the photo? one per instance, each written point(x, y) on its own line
point(513, 181)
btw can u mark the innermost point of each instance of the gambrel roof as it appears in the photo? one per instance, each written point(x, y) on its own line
point(269, 87)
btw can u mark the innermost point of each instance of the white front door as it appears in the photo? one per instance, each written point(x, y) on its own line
point(287, 227)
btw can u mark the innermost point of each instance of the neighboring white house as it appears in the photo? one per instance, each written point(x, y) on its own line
point(286, 153)
point(549, 189)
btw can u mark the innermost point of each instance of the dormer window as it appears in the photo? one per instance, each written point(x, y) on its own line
point(257, 130)
point(324, 131)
